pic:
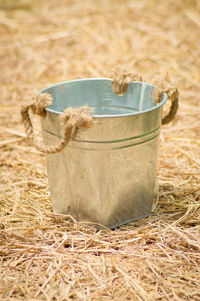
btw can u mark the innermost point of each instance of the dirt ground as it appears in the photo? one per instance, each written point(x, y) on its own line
point(45, 257)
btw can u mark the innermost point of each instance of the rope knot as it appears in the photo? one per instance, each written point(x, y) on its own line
point(164, 85)
point(122, 78)
point(77, 117)
point(39, 101)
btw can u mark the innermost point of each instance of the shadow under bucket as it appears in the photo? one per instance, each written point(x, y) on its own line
point(106, 174)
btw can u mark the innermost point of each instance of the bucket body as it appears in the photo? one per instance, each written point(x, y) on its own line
point(106, 174)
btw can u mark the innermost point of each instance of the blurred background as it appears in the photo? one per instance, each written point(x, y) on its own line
point(44, 42)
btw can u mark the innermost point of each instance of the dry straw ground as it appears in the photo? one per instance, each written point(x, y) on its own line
point(44, 257)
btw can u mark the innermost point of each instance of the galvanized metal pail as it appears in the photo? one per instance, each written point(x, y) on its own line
point(106, 174)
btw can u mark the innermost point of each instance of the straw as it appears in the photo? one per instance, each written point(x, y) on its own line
point(43, 256)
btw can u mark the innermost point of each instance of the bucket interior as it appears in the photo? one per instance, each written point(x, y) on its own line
point(98, 94)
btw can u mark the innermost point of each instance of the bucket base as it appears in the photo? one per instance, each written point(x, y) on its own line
point(130, 221)
point(101, 227)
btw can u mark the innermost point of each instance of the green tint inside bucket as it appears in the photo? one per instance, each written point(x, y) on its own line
point(98, 94)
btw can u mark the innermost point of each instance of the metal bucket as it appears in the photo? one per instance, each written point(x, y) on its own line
point(106, 174)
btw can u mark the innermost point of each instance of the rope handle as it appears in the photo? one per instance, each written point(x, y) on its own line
point(165, 86)
point(77, 118)
point(71, 119)
point(122, 78)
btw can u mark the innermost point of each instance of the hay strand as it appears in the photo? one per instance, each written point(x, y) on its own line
point(44, 256)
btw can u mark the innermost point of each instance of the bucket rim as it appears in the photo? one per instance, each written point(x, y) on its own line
point(157, 106)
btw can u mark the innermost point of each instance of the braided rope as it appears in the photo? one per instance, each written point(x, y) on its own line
point(71, 118)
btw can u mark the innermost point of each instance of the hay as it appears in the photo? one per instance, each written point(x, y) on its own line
point(45, 257)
